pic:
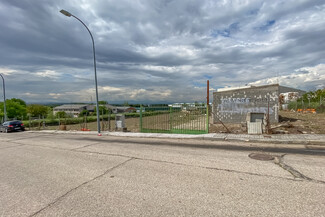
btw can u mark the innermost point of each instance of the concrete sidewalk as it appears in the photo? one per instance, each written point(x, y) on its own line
point(313, 139)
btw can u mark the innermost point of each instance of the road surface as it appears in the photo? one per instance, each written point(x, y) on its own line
point(88, 175)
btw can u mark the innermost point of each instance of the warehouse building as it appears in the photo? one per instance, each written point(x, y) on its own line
point(249, 103)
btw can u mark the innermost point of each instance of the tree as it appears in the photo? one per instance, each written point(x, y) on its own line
point(102, 110)
point(20, 101)
point(102, 102)
point(50, 114)
point(313, 96)
point(83, 113)
point(36, 110)
point(1, 111)
point(312, 99)
point(16, 108)
point(61, 115)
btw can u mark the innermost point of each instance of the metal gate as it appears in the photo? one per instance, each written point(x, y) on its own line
point(180, 120)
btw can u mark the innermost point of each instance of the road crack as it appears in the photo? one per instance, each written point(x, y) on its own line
point(13, 146)
point(187, 165)
point(279, 160)
point(17, 139)
point(81, 185)
point(74, 149)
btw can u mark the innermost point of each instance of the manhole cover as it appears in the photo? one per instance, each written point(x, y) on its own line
point(258, 156)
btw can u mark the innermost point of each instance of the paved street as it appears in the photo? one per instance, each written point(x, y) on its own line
point(89, 175)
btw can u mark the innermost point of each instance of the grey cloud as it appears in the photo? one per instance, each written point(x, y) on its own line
point(155, 45)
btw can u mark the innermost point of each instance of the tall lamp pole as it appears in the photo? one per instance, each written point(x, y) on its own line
point(66, 13)
point(4, 99)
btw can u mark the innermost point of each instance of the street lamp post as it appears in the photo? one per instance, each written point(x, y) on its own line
point(66, 13)
point(4, 99)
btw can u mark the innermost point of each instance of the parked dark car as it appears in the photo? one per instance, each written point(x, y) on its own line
point(10, 126)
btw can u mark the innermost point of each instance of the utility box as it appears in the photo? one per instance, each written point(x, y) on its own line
point(120, 122)
point(254, 127)
point(255, 122)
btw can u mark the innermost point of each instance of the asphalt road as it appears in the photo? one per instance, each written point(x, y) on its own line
point(88, 175)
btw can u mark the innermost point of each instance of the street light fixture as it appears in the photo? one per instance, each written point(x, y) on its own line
point(66, 13)
point(4, 99)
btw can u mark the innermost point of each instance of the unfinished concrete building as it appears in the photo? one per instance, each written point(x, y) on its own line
point(249, 103)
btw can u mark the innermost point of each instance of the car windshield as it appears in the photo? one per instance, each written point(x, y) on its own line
point(11, 123)
point(15, 122)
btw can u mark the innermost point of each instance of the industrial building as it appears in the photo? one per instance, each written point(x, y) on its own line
point(249, 103)
point(75, 109)
point(72, 109)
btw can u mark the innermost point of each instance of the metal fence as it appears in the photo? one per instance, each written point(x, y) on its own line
point(86, 123)
point(181, 120)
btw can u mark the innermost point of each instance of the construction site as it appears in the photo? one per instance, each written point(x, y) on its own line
point(264, 110)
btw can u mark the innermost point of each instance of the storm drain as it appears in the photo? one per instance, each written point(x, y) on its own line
point(260, 156)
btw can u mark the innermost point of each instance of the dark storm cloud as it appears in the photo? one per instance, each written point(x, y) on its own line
point(156, 50)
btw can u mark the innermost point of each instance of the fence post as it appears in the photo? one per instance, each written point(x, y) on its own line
point(171, 118)
point(109, 120)
point(29, 122)
point(86, 121)
point(43, 123)
point(320, 100)
point(103, 120)
point(140, 118)
point(207, 126)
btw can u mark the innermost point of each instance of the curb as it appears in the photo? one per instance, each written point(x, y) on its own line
point(297, 139)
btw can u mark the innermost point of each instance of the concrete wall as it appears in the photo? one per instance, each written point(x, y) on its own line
point(232, 106)
point(283, 89)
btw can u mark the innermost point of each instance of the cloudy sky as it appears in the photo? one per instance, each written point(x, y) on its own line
point(158, 50)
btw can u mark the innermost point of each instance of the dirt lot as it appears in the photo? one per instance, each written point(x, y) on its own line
point(290, 122)
point(158, 122)
point(295, 122)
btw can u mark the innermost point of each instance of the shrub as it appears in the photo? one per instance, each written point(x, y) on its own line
point(299, 105)
point(320, 109)
point(61, 114)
